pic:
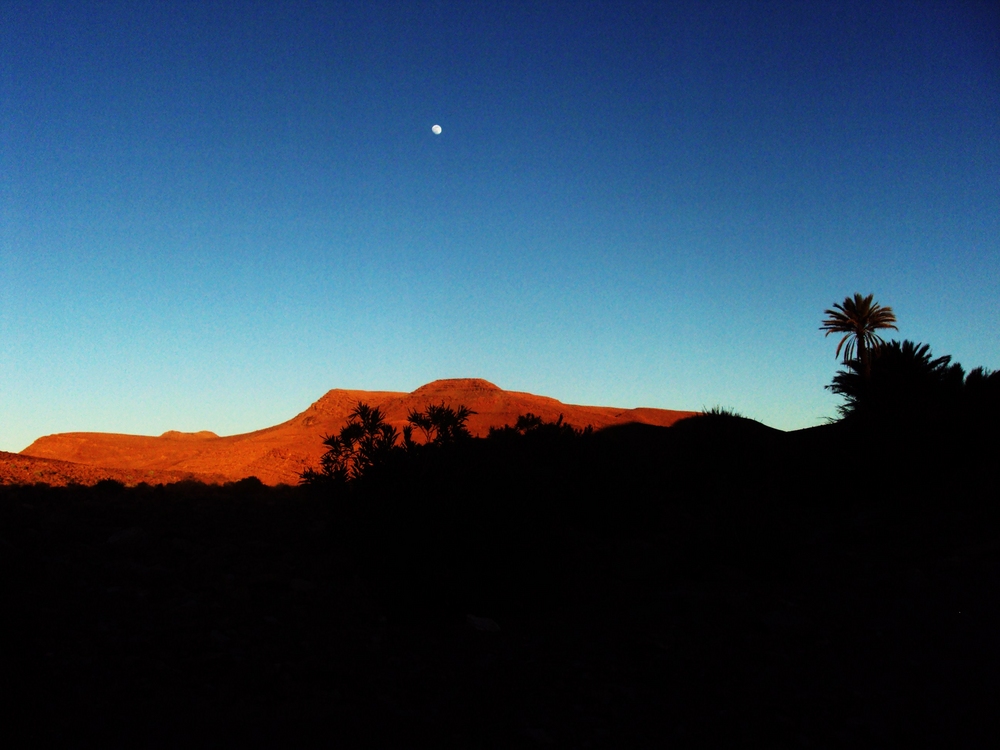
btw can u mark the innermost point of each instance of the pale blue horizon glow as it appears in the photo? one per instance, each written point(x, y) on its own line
point(210, 216)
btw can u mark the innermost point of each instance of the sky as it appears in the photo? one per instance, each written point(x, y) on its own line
point(211, 213)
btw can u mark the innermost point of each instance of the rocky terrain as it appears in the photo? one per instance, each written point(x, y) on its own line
point(279, 454)
point(16, 468)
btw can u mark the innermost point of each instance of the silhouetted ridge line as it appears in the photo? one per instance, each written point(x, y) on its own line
point(279, 454)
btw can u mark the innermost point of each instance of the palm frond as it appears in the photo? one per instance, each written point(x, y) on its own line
point(858, 318)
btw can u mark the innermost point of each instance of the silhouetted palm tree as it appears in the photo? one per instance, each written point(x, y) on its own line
point(904, 382)
point(365, 441)
point(440, 424)
point(858, 319)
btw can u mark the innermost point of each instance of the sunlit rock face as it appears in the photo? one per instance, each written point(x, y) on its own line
point(281, 453)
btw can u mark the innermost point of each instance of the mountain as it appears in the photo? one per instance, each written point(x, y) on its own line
point(279, 454)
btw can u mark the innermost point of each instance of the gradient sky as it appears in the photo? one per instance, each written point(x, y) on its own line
point(211, 213)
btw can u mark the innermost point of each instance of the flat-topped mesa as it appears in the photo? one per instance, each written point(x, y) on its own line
point(455, 386)
point(340, 401)
point(280, 453)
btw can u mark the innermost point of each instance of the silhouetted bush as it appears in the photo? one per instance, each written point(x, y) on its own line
point(439, 424)
point(908, 386)
point(721, 411)
point(536, 430)
point(365, 441)
point(110, 486)
point(367, 444)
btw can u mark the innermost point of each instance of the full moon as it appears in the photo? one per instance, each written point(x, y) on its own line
point(436, 129)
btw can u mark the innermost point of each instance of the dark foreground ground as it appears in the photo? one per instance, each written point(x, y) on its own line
point(811, 589)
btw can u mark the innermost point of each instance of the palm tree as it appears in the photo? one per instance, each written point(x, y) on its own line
point(858, 319)
point(440, 424)
point(905, 381)
point(367, 440)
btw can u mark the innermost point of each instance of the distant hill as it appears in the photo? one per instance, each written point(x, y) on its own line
point(17, 468)
point(280, 453)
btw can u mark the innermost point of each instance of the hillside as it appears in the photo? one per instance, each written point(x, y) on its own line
point(16, 468)
point(279, 454)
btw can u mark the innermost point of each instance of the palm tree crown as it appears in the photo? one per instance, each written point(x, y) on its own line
point(858, 319)
point(905, 380)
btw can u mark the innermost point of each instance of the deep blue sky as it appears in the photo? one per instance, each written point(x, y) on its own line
point(211, 213)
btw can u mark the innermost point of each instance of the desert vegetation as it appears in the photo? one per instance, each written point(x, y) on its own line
point(546, 583)
point(859, 318)
point(906, 385)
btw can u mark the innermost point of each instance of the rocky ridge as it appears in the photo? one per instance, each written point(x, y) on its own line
point(279, 454)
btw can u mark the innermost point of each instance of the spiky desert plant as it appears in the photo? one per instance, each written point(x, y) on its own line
point(722, 411)
point(366, 440)
point(440, 424)
point(858, 319)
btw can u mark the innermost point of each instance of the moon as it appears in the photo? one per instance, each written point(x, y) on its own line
point(436, 129)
